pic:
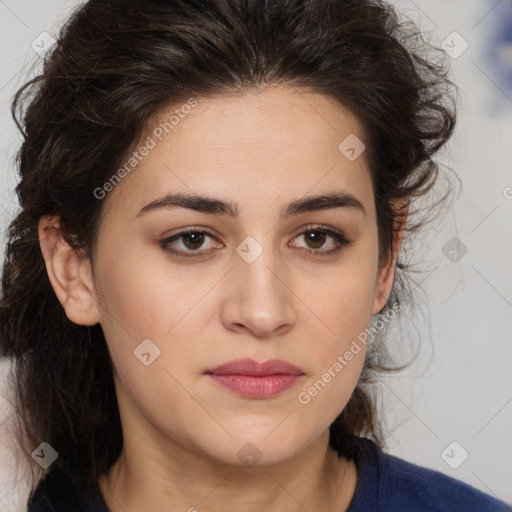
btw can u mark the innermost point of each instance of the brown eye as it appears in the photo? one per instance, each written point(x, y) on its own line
point(193, 240)
point(190, 243)
point(315, 237)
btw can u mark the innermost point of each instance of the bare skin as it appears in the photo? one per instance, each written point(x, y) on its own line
point(182, 432)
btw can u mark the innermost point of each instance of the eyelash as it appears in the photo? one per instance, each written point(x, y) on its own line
point(338, 237)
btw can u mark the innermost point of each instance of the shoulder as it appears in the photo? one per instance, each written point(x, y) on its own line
point(399, 486)
point(427, 489)
point(52, 492)
point(57, 493)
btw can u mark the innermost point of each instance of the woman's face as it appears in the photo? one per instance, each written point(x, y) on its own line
point(248, 287)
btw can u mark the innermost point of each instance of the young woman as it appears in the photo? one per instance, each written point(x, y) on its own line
point(213, 198)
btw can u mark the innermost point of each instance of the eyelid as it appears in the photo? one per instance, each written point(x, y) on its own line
point(323, 227)
point(334, 233)
point(183, 231)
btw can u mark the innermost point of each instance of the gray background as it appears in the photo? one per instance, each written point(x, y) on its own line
point(460, 388)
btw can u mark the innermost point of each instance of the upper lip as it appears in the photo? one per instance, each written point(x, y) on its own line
point(254, 368)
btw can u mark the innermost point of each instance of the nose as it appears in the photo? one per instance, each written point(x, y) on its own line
point(259, 300)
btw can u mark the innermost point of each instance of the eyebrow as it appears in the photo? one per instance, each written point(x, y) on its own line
point(204, 204)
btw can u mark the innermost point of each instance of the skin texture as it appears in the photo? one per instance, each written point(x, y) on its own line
point(182, 432)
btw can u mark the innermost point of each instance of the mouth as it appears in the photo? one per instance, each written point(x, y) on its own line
point(251, 379)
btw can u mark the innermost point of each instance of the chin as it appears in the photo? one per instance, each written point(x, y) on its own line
point(259, 449)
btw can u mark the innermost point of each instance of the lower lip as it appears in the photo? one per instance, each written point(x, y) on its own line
point(256, 387)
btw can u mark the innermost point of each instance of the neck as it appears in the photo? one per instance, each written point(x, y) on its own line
point(148, 477)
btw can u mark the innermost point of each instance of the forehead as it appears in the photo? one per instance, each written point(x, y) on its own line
point(256, 146)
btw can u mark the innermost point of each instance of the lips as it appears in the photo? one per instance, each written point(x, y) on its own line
point(253, 368)
point(249, 379)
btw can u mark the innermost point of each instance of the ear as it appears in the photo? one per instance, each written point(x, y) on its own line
point(69, 272)
point(386, 272)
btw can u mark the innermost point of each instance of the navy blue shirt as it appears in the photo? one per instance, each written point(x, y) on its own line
point(385, 484)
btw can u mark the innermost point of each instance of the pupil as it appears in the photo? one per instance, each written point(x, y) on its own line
point(319, 238)
point(196, 239)
point(196, 243)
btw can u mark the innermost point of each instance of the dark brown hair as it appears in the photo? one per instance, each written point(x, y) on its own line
point(115, 66)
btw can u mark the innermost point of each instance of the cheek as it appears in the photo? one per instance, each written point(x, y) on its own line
point(143, 300)
point(344, 305)
point(139, 296)
point(343, 299)
point(324, 396)
point(130, 304)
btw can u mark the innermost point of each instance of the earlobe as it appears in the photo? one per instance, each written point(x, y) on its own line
point(69, 273)
point(386, 273)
